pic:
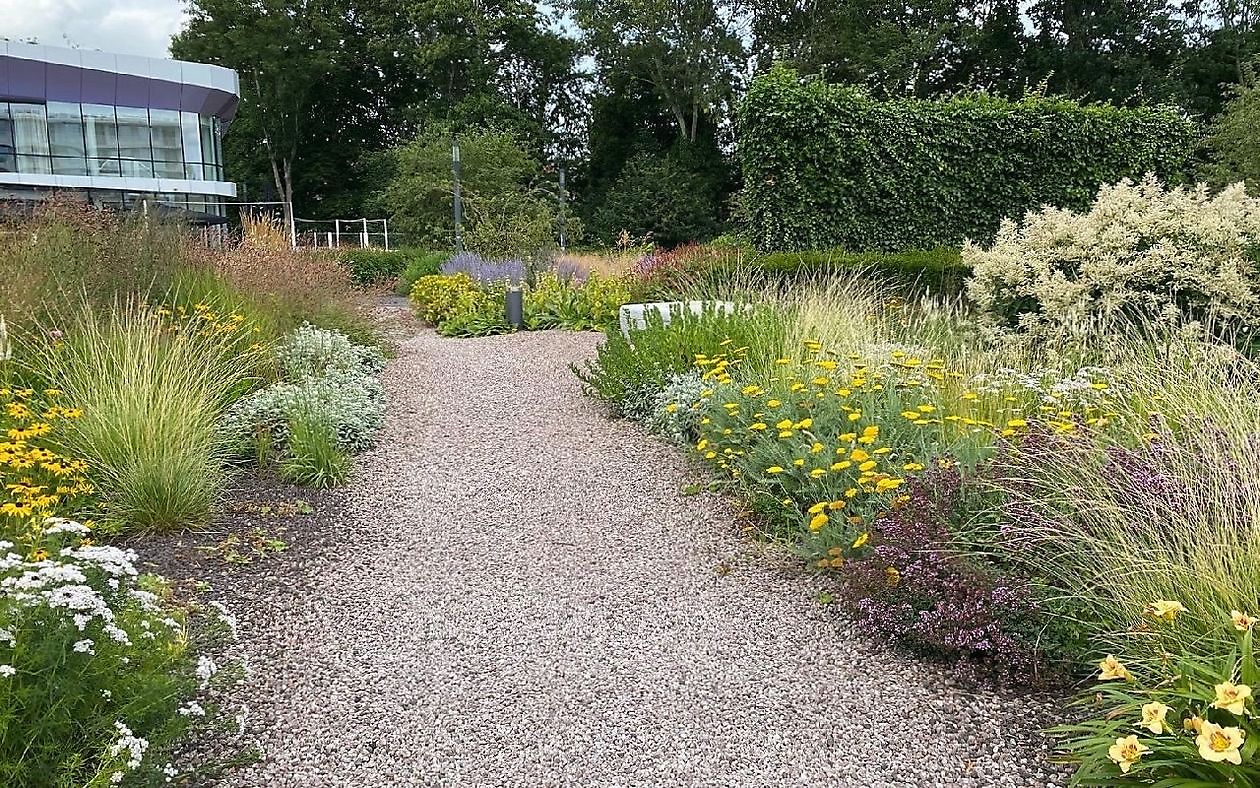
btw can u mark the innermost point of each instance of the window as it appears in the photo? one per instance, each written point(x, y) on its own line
point(191, 131)
point(100, 131)
point(8, 161)
point(65, 135)
point(167, 135)
point(210, 148)
point(134, 147)
point(30, 136)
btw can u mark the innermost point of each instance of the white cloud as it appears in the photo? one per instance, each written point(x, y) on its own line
point(131, 27)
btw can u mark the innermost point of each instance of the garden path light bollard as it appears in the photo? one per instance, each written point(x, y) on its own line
point(513, 305)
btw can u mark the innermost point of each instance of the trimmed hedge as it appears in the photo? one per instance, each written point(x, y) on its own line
point(938, 270)
point(370, 267)
point(828, 166)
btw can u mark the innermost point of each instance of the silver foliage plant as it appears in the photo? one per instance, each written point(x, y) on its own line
point(678, 408)
point(329, 380)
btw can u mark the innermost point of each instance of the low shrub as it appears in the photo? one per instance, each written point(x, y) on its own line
point(331, 392)
point(310, 352)
point(916, 580)
point(1141, 255)
point(419, 264)
point(150, 389)
point(572, 303)
point(483, 271)
point(438, 298)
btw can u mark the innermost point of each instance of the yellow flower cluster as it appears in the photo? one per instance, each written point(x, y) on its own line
point(35, 481)
point(1215, 742)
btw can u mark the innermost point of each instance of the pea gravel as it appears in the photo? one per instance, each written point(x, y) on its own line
point(517, 593)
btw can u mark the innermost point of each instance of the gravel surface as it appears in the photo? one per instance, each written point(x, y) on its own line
point(516, 593)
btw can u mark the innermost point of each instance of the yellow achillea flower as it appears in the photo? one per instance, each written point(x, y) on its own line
point(858, 455)
point(1154, 717)
point(868, 465)
point(818, 521)
point(773, 469)
point(894, 577)
point(818, 473)
point(1242, 621)
point(774, 403)
point(1165, 609)
point(785, 424)
point(1110, 668)
point(1126, 752)
point(862, 540)
point(1232, 697)
point(912, 415)
point(1217, 743)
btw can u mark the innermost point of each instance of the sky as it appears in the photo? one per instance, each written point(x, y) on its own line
point(130, 27)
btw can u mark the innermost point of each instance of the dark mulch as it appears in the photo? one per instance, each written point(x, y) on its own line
point(263, 530)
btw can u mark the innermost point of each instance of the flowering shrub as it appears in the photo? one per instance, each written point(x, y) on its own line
point(442, 298)
point(97, 675)
point(1141, 253)
point(483, 271)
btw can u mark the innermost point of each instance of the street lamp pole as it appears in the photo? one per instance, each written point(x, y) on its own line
point(459, 205)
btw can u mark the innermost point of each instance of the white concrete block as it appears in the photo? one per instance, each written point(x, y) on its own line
point(634, 317)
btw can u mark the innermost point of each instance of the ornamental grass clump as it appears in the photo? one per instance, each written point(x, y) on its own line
point(150, 391)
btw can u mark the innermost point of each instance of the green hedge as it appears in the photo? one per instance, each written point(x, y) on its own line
point(828, 166)
point(377, 266)
point(938, 270)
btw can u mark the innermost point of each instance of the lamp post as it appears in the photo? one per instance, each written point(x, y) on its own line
point(459, 205)
point(563, 206)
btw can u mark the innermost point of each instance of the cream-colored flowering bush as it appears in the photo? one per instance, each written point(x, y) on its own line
point(1142, 253)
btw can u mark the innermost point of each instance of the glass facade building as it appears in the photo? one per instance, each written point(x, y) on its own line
point(113, 128)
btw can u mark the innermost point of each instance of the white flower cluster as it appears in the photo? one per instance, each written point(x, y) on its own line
point(678, 408)
point(313, 352)
point(1141, 253)
point(127, 745)
point(332, 382)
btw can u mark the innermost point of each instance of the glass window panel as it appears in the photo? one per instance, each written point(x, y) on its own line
point(167, 134)
point(133, 135)
point(8, 162)
point(69, 165)
point(35, 165)
point(193, 172)
point(137, 168)
point(30, 129)
point(168, 169)
point(190, 127)
point(209, 145)
point(100, 132)
point(65, 129)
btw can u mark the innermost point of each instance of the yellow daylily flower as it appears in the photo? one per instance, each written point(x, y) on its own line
point(1154, 717)
point(1232, 697)
point(1217, 743)
point(1242, 621)
point(1127, 751)
point(1165, 609)
point(1111, 668)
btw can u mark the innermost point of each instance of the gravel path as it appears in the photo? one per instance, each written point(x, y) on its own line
point(519, 595)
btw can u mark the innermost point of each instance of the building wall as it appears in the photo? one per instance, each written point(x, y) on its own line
point(110, 126)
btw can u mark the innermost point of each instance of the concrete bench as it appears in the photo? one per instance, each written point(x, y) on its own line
point(634, 317)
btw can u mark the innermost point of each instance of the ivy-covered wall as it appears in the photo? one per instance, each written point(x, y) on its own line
point(828, 166)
